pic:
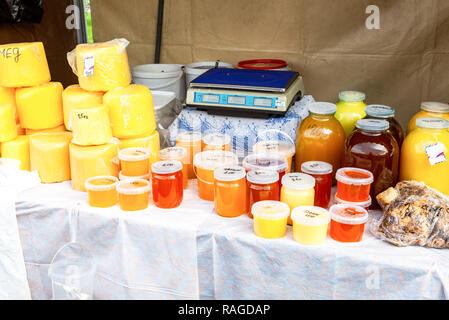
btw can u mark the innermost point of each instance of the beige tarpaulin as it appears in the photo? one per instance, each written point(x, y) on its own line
point(401, 64)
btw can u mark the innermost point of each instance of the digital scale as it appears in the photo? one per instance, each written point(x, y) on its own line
point(245, 92)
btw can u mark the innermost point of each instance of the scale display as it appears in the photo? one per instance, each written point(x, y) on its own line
point(236, 100)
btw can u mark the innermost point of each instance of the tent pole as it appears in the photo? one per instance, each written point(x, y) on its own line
point(160, 18)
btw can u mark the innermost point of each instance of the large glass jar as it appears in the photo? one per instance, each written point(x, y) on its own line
point(350, 109)
point(377, 111)
point(372, 148)
point(429, 110)
point(425, 154)
point(320, 137)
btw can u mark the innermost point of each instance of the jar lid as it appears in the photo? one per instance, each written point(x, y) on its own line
point(173, 153)
point(432, 123)
point(230, 173)
point(437, 107)
point(134, 154)
point(298, 181)
point(166, 166)
point(373, 125)
point(364, 204)
point(270, 210)
point(133, 186)
point(212, 159)
point(355, 176)
point(311, 216)
point(380, 111)
point(262, 64)
point(272, 146)
point(270, 161)
point(352, 96)
point(324, 108)
point(348, 214)
point(189, 136)
point(217, 139)
point(121, 176)
point(101, 183)
point(262, 176)
point(316, 167)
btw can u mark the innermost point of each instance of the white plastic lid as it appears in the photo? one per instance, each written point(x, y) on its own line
point(121, 176)
point(133, 186)
point(12, 163)
point(262, 176)
point(348, 214)
point(217, 139)
point(380, 111)
point(166, 166)
point(437, 107)
point(324, 108)
point(189, 136)
point(106, 183)
point(212, 159)
point(230, 173)
point(364, 204)
point(359, 176)
point(298, 181)
point(173, 153)
point(268, 161)
point(271, 210)
point(316, 167)
point(134, 154)
point(351, 96)
point(272, 146)
point(311, 216)
point(432, 123)
point(374, 125)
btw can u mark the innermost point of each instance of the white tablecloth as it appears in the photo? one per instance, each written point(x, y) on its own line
point(191, 253)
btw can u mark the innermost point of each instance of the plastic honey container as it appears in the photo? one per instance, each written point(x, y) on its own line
point(166, 177)
point(102, 191)
point(262, 185)
point(347, 222)
point(216, 141)
point(180, 154)
point(273, 146)
point(134, 194)
point(266, 161)
point(322, 172)
point(310, 225)
point(270, 219)
point(192, 142)
point(354, 184)
point(121, 177)
point(230, 191)
point(364, 204)
point(134, 161)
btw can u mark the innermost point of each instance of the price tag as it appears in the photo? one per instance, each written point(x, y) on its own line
point(89, 63)
point(435, 154)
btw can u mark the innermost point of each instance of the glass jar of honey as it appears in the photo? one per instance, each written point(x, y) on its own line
point(230, 191)
point(372, 148)
point(429, 110)
point(350, 109)
point(191, 141)
point(166, 179)
point(180, 154)
point(382, 112)
point(262, 185)
point(425, 153)
point(322, 172)
point(320, 137)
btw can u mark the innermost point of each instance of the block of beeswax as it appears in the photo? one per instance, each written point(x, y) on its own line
point(131, 111)
point(60, 128)
point(8, 96)
point(8, 130)
point(74, 96)
point(19, 149)
point(49, 155)
point(148, 140)
point(23, 65)
point(101, 66)
point(90, 125)
point(40, 107)
point(91, 161)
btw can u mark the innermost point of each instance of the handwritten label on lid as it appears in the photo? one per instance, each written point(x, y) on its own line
point(435, 153)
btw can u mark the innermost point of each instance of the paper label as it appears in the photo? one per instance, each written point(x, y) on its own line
point(89, 63)
point(435, 154)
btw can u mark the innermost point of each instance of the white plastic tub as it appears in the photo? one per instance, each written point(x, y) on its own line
point(196, 69)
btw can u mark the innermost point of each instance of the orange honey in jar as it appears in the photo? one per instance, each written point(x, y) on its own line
point(166, 178)
point(192, 142)
point(230, 191)
point(134, 194)
point(180, 154)
point(134, 161)
point(102, 191)
point(216, 141)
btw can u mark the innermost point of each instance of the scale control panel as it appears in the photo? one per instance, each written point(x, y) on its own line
point(239, 100)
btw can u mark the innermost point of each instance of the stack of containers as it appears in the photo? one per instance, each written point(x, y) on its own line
point(353, 187)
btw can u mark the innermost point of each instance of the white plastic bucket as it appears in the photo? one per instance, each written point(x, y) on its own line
point(163, 77)
point(196, 69)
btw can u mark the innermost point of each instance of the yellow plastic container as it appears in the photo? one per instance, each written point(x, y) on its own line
point(40, 107)
point(121, 177)
point(134, 161)
point(310, 225)
point(74, 97)
point(90, 125)
point(297, 190)
point(101, 66)
point(19, 149)
point(425, 154)
point(148, 140)
point(131, 111)
point(8, 96)
point(87, 162)
point(8, 128)
point(216, 141)
point(429, 110)
point(49, 155)
point(134, 194)
point(285, 148)
point(270, 219)
point(190, 140)
point(60, 128)
point(102, 191)
point(23, 65)
point(350, 109)
point(180, 154)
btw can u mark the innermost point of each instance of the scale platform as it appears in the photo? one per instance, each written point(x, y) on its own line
point(242, 92)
